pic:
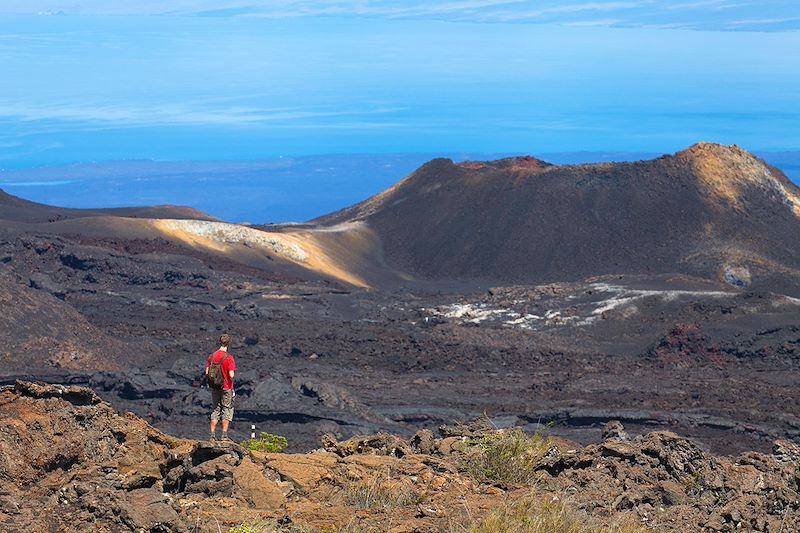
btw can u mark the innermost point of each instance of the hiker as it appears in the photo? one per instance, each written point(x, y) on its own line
point(220, 370)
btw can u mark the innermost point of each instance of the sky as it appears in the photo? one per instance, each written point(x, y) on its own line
point(92, 80)
point(750, 15)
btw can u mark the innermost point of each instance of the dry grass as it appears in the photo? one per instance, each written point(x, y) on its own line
point(352, 527)
point(379, 494)
point(268, 526)
point(509, 457)
point(530, 515)
point(274, 526)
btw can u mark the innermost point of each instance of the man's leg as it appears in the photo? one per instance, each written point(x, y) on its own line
point(227, 411)
point(216, 413)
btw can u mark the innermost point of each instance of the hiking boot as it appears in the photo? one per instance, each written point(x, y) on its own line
point(225, 438)
point(213, 437)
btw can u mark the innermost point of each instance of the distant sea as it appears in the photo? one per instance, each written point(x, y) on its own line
point(273, 190)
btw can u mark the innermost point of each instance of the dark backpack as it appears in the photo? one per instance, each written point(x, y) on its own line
point(215, 378)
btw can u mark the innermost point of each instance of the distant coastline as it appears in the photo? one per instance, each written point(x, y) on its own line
point(263, 191)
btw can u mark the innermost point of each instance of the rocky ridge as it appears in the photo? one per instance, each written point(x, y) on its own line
point(69, 462)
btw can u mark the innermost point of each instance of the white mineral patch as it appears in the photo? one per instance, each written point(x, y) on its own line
point(524, 320)
point(785, 300)
point(474, 313)
point(622, 300)
point(338, 228)
point(223, 232)
point(623, 296)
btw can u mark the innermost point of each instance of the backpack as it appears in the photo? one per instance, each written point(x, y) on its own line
point(215, 378)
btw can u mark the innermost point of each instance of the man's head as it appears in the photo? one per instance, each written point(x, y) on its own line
point(224, 340)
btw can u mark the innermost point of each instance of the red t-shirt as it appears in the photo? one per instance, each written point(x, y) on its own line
point(227, 365)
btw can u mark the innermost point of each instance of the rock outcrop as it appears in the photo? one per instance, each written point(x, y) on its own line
point(69, 462)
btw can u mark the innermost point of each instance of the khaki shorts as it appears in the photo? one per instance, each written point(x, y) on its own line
point(222, 402)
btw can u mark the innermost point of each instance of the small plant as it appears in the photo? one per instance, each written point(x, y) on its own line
point(266, 442)
point(693, 484)
point(509, 456)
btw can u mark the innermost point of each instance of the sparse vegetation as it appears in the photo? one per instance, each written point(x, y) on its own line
point(354, 526)
point(508, 456)
point(270, 526)
point(530, 515)
point(247, 528)
point(380, 494)
point(693, 484)
point(266, 442)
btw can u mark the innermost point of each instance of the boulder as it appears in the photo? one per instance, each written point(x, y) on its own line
point(477, 428)
point(252, 487)
point(614, 430)
point(149, 510)
point(43, 282)
point(423, 442)
point(304, 472)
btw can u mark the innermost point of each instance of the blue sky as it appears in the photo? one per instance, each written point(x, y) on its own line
point(758, 15)
point(196, 79)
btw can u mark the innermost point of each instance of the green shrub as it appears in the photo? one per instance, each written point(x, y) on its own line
point(266, 442)
point(508, 456)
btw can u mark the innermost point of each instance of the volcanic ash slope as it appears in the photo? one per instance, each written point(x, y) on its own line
point(711, 211)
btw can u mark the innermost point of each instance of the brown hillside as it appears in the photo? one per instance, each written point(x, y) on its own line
point(45, 334)
point(713, 211)
point(349, 253)
point(16, 209)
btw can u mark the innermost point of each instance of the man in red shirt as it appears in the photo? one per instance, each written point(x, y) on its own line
point(222, 399)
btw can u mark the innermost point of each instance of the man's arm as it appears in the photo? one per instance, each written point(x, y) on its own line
point(230, 373)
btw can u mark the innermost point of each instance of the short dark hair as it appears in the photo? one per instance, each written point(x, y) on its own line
point(224, 339)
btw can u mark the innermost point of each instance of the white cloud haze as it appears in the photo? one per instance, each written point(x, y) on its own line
point(750, 15)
